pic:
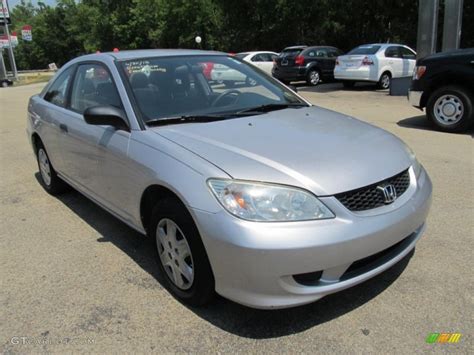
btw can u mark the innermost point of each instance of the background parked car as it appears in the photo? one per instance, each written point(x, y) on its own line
point(306, 63)
point(223, 74)
point(444, 84)
point(378, 63)
point(262, 60)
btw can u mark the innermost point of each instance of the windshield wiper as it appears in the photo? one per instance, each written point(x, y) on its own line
point(272, 107)
point(185, 119)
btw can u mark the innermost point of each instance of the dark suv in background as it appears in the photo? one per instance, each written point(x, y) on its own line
point(311, 64)
point(443, 83)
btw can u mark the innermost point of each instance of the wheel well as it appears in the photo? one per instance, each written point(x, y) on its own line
point(150, 197)
point(386, 71)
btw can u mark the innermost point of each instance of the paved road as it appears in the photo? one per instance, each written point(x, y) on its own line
point(73, 278)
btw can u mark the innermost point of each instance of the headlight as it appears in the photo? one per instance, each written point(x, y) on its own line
point(266, 202)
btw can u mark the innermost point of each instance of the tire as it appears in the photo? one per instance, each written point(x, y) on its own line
point(197, 287)
point(4, 84)
point(450, 109)
point(49, 179)
point(286, 82)
point(313, 77)
point(348, 84)
point(384, 81)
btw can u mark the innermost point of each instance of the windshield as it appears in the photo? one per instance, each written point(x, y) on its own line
point(365, 50)
point(166, 87)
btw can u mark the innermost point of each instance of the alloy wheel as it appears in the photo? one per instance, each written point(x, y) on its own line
point(45, 168)
point(385, 81)
point(314, 77)
point(175, 254)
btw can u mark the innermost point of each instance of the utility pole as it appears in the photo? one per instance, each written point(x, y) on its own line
point(10, 46)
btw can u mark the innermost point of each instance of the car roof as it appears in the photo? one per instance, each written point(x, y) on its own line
point(147, 53)
point(254, 52)
point(295, 47)
point(317, 47)
point(382, 45)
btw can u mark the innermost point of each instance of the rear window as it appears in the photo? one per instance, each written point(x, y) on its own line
point(290, 52)
point(365, 50)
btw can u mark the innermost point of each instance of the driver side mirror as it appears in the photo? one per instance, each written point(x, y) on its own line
point(107, 116)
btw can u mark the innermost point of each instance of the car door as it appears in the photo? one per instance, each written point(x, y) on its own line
point(409, 61)
point(394, 61)
point(96, 155)
point(50, 112)
point(258, 60)
point(326, 63)
point(332, 54)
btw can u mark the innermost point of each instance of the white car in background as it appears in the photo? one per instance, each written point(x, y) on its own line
point(262, 60)
point(378, 63)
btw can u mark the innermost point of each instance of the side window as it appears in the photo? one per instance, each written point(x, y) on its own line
point(321, 53)
point(332, 53)
point(266, 57)
point(407, 53)
point(392, 52)
point(93, 86)
point(57, 93)
point(257, 58)
point(311, 54)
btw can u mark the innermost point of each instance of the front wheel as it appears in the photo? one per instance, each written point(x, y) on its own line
point(182, 258)
point(450, 109)
point(313, 78)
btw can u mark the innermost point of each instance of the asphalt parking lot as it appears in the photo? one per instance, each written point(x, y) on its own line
point(74, 278)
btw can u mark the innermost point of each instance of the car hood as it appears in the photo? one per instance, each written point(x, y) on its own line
point(311, 147)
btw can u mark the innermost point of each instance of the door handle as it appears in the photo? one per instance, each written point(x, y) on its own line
point(63, 127)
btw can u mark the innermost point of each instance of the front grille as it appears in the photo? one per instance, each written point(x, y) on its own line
point(369, 197)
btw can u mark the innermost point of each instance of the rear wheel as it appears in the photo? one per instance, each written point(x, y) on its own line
point(48, 177)
point(182, 258)
point(348, 84)
point(314, 77)
point(450, 108)
point(384, 81)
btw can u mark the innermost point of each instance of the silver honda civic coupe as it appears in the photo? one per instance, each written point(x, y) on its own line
point(248, 190)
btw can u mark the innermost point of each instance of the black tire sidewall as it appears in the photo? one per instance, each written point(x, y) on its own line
point(467, 119)
point(348, 84)
point(202, 289)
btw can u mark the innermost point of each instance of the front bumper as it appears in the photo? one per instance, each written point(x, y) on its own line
point(254, 263)
point(414, 98)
